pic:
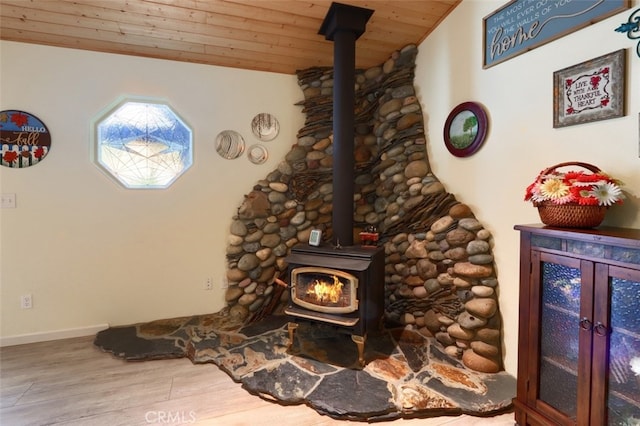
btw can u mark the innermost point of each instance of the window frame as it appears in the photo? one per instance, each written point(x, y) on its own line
point(109, 111)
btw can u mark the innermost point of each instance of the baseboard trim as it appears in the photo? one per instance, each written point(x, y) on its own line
point(46, 336)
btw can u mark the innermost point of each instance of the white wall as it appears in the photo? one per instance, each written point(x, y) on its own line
point(518, 97)
point(91, 252)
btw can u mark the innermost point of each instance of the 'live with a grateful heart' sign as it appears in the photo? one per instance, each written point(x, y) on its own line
point(590, 91)
point(24, 139)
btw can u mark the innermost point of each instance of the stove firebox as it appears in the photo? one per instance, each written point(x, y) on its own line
point(342, 287)
point(324, 289)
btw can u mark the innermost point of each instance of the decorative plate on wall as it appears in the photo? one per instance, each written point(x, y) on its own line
point(465, 129)
point(257, 154)
point(24, 139)
point(229, 144)
point(265, 126)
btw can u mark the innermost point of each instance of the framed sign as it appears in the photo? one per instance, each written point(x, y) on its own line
point(24, 139)
point(523, 25)
point(465, 129)
point(591, 91)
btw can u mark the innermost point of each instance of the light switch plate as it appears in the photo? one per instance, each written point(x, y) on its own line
point(8, 201)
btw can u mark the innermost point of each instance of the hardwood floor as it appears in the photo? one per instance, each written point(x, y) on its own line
point(70, 382)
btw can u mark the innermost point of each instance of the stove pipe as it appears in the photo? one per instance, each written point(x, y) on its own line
point(343, 24)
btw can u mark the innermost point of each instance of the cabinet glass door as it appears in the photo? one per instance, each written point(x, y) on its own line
point(623, 396)
point(561, 288)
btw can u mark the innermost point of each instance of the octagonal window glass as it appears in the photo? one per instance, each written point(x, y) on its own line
point(143, 144)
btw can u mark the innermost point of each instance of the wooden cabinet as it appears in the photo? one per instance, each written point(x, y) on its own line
point(579, 329)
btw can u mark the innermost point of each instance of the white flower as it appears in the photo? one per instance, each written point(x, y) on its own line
point(606, 193)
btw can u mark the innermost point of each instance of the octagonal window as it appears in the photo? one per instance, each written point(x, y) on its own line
point(143, 144)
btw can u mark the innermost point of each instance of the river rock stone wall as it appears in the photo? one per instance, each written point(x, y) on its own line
point(439, 273)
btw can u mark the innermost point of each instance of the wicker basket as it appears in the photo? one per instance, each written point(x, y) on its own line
point(571, 215)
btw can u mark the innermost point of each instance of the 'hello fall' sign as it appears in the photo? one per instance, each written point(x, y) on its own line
point(24, 139)
point(522, 25)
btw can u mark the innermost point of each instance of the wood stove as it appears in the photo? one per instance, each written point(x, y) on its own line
point(342, 287)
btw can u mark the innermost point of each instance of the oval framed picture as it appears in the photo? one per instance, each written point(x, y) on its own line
point(465, 129)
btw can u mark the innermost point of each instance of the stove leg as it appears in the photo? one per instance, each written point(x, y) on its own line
point(359, 341)
point(291, 327)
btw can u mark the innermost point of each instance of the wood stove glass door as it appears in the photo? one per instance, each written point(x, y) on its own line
point(324, 290)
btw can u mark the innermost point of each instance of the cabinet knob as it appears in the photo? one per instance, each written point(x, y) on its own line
point(585, 324)
point(601, 329)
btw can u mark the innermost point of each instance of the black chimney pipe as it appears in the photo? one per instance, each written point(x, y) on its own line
point(343, 24)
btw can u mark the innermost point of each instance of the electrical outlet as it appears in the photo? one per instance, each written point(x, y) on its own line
point(26, 301)
point(208, 284)
point(8, 201)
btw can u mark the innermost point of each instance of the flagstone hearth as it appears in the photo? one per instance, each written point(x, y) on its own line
point(406, 374)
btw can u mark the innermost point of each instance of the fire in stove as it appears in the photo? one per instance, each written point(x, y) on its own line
point(324, 290)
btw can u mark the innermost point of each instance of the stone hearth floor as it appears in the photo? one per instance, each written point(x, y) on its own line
point(406, 375)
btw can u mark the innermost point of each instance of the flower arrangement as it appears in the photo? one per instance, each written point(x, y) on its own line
point(594, 188)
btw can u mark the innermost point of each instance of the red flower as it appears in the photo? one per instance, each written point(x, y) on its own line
point(572, 175)
point(604, 102)
point(10, 156)
point(529, 192)
point(39, 153)
point(581, 195)
point(19, 119)
point(582, 177)
point(570, 110)
point(588, 201)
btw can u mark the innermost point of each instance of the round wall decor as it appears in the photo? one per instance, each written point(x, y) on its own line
point(24, 139)
point(265, 126)
point(465, 129)
point(229, 144)
point(257, 154)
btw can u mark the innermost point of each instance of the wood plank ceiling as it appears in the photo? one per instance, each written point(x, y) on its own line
point(267, 35)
